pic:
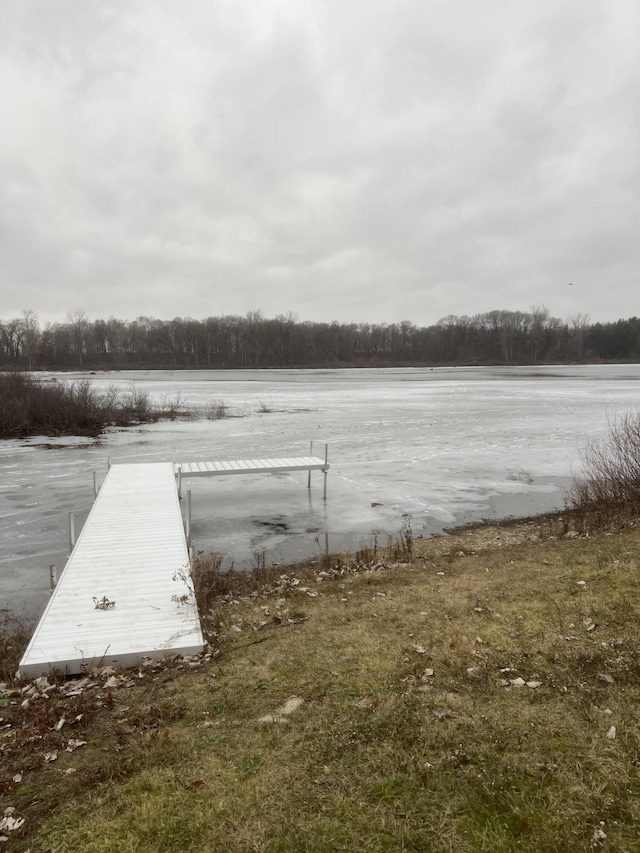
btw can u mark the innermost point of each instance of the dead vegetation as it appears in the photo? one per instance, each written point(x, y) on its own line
point(606, 493)
point(32, 406)
point(481, 696)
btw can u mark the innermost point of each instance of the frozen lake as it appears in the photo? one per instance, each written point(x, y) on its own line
point(446, 445)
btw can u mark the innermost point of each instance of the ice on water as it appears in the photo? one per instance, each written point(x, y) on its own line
point(446, 445)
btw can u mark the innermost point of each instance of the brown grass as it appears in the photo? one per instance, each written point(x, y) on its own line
point(382, 754)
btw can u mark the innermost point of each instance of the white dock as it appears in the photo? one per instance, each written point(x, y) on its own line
point(131, 556)
point(251, 466)
point(220, 468)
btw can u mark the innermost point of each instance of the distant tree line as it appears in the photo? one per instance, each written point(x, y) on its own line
point(253, 341)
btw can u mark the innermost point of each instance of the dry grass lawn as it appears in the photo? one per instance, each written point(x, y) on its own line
point(483, 697)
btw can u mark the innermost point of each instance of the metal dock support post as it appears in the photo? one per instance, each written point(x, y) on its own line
point(53, 577)
point(72, 531)
point(309, 476)
point(326, 462)
point(179, 484)
point(95, 485)
point(188, 509)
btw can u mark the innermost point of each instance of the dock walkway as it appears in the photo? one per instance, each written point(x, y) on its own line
point(251, 466)
point(131, 559)
point(220, 468)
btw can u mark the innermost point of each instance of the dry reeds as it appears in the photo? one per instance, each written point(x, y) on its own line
point(607, 492)
point(30, 406)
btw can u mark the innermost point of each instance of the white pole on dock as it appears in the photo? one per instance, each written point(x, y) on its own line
point(53, 577)
point(326, 461)
point(72, 530)
point(309, 477)
point(180, 484)
point(174, 456)
point(95, 485)
point(188, 510)
point(108, 463)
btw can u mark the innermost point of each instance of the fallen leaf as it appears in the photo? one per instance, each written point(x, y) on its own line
point(76, 688)
point(611, 734)
point(606, 677)
point(475, 672)
point(281, 715)
point(599, 837)
point(442, 713)
point(10, 824)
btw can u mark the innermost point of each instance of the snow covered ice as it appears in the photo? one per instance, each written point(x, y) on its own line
point(446, 445)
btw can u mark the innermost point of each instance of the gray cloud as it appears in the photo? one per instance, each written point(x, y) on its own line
point(353, 161)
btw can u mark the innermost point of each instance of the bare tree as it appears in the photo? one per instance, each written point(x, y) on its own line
point(578, 324)
point(79, 325)
point(31, 331)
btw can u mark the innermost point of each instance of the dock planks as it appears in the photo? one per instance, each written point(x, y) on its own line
point(219, 468)
point(133, 551)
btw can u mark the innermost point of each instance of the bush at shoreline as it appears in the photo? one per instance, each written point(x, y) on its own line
point(30, 406)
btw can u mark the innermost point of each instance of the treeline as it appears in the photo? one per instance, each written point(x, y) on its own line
point(495, 337)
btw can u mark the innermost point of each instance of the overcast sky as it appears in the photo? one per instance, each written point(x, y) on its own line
point(356, 160)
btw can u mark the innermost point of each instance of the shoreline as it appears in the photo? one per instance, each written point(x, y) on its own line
point(354, 543)
point(381, 688)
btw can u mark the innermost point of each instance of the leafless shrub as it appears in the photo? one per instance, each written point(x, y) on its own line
point(259, 559)
point(208, 577)
point(607, 492)
point(369, 550)
point(215, 410)
point(31, 406)
point(400, 548)
point(135, 403)
point(14, 638)
point(521, 476)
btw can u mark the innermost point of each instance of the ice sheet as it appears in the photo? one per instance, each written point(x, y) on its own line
point(448, 446)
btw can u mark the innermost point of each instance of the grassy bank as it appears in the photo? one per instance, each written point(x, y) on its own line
point(30, 406)
point(481, 697)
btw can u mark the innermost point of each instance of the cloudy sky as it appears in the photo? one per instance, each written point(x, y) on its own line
point(356, 160)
